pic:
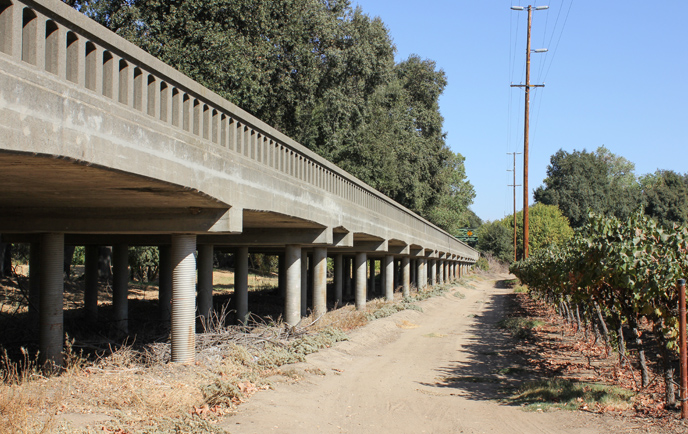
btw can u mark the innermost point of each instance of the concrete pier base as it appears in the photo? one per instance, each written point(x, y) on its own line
point(183, 338)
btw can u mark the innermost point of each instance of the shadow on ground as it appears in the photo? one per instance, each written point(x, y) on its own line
point(493, 363)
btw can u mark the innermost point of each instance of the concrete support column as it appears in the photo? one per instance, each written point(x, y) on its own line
point(241, 284)
point(413, 270)
point(371, 278)
point(360, 267)
point(165, 284)
point(419, 274)
point(304, 283)
point(347, 276)
point(383, 277)
point(433, 272)
point(34, 282)
point(338, 278)
point(440, 272)
point(389, 277)
point(51, 335)
point(292, 302)
point(319, 281)
point(91, 282)
point(405, 276)
point(183, 338)
point(205, 281)
point(282, 275)
point(424, 273)
point(120, 287)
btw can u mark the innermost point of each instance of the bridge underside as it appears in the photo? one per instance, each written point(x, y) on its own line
point(104, 145)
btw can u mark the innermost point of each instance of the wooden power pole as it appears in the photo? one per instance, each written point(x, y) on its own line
point(527, 87)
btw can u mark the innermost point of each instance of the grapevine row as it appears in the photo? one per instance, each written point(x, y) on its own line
point(617, 274)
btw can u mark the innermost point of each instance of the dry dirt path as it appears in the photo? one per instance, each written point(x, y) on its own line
point(395, 376)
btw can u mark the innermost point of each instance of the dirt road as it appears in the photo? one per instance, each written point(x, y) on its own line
point(399, 375)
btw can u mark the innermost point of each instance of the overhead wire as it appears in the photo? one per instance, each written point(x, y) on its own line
point(554, 52)
point(513, 50)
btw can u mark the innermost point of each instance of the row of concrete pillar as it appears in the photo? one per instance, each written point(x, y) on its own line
point(181, 298)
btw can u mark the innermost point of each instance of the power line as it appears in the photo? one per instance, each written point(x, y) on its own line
point(554, 52)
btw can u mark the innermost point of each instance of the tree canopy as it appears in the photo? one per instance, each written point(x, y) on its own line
point(581, 181)
point(665, 195)
point(321, 72)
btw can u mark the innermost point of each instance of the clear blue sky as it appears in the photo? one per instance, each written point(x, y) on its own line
point(617, 75)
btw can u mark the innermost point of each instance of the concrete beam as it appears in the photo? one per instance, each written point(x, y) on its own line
point(342, 239)
point(271, 237)
point(364, 246)
point(114, 220)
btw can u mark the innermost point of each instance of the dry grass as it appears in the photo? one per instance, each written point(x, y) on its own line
point(130, 388)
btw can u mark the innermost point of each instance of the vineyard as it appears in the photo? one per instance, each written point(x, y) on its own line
point(618, 278)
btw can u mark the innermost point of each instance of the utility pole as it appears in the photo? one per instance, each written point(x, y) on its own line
point(514, 185)
point(527, 86)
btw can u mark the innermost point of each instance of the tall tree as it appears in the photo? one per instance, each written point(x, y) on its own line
point(581, 181)
point(665, 196)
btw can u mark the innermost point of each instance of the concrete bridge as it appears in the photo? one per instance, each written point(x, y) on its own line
point(103, 144)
